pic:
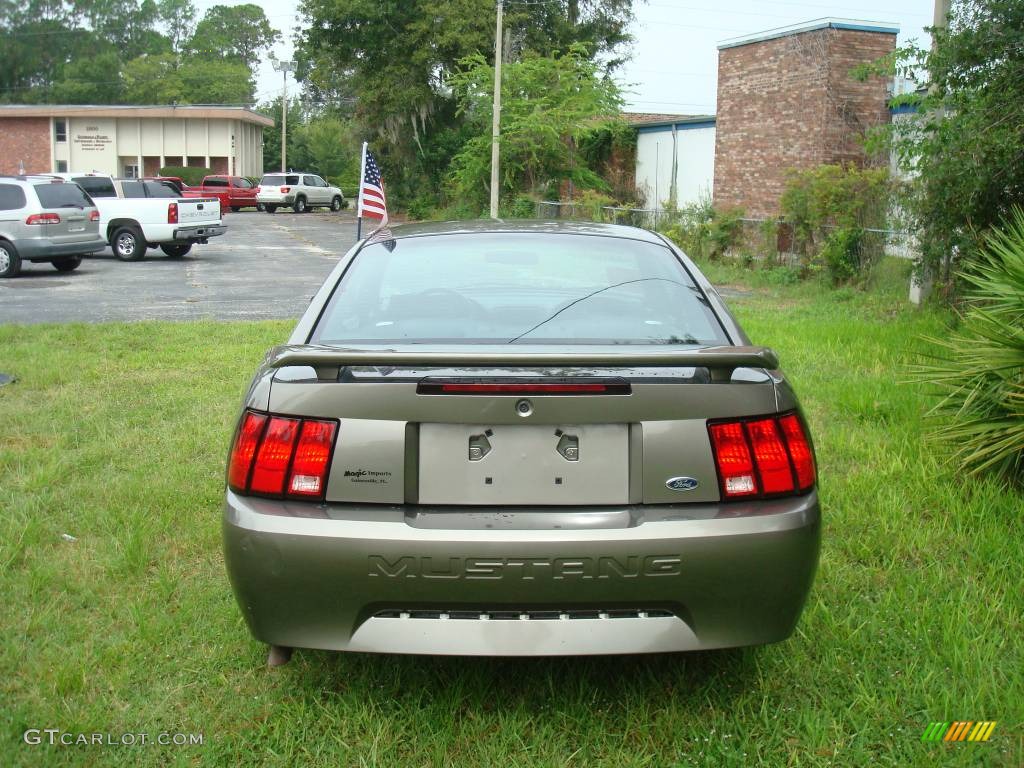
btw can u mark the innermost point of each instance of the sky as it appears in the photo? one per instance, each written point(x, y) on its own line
point(674, 61)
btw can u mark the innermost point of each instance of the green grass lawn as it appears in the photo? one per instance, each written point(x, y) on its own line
point(117, 434)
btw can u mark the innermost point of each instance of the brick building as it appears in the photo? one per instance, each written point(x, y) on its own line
point(786, 100)
point(130, 140)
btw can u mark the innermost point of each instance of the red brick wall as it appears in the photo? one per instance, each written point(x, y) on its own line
point(790, 103)
point(25, 139)
point(219, 165)
point(151, 166)
point(856, 107)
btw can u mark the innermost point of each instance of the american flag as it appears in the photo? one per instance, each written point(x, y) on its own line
point(371, 192)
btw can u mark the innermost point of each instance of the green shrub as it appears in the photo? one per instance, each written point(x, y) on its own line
point(521, 207)
point(724, 232)
point(191, 176)
point(979, 371)
point(705, 232)
point(829, 208)
point(842, 254)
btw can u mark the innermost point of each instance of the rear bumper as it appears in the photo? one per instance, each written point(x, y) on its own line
point(44, 249)
point(276, 199)
point(507, 582)
point(192, 234)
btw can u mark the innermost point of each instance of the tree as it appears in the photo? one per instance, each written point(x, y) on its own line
point(153, 79)
point(239, 31)
point(95, 79)
point(966, 146)
point(216, 81)
point(548, 104)
point(394, 60)
point(178, 18)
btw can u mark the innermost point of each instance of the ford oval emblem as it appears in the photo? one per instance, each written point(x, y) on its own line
point(681, 483)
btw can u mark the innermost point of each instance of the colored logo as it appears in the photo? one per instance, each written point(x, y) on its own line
point(681, 483)
point(961, 730)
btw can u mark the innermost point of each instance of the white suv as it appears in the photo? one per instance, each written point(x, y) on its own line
point(302, 191)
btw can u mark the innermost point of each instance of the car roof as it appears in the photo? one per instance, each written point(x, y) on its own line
point(527, 226)
point(29, 178)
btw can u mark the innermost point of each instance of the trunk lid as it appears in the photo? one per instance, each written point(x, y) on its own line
point(403, 438)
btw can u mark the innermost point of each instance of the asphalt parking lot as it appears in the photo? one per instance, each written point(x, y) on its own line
point(265, 266)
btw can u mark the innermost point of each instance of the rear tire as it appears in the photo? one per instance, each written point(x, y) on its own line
point(261, 207)
point(270, 208)
point(176, 251)
point(127, 244)
point(337, 203)
point(236, 208)
point(300, 205)
point(67, 265)
point(10, 261)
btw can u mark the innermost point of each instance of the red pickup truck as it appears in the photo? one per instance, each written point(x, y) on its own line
point(234, 192)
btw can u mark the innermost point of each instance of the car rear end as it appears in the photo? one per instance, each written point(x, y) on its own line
point(188, 219)
point(195, 220)
point(62, 222)
point(585, 457)
point(277, 189)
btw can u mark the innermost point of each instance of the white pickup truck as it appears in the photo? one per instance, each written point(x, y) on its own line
point(136, 214)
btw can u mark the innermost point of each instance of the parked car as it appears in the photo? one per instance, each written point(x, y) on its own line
point(234, 192)
point(43, 220)
point(175, 181)
point(136, 214)
point(530, 438)
point(301, 191)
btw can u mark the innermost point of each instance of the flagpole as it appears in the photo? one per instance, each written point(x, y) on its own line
point(359, 195)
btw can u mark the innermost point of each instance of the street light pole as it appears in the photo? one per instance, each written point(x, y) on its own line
point(496, 116)
point(284, 67)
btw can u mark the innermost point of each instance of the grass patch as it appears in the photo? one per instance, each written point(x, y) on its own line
point(117, 434)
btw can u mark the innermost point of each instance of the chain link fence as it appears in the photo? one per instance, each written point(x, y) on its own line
point(888, 242)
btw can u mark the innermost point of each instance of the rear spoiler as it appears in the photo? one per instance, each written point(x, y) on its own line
point(721, 361)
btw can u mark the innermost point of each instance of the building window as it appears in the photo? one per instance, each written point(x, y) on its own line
point(60, 128)
point(62, 166)
point(131, 171)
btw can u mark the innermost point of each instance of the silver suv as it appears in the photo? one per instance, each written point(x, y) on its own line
point(301, 191)
point(43, 219)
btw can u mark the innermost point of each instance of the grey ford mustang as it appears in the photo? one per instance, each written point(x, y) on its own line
point(527, 438)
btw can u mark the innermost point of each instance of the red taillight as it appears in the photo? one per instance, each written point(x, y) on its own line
point(770, 456)
point(244, 449)
point(761, 457)
point(43, 218)
point(172, 213)
point(799, 450)
point(286, 189)
point(309, 469)
point(270, 450)
point(732, 455)
point(94, 215)
point(273, 455)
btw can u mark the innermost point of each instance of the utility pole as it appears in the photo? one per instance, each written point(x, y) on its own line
point(496, 116)
point(923, 279)
point(284, 67)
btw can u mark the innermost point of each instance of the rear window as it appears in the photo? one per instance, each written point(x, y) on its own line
point(518, 288)
point(273, 181)
point(161, 189)
point(63, 195)
point(213, 181)
point(12, 197)
point(96, 186)
point(133, 189)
